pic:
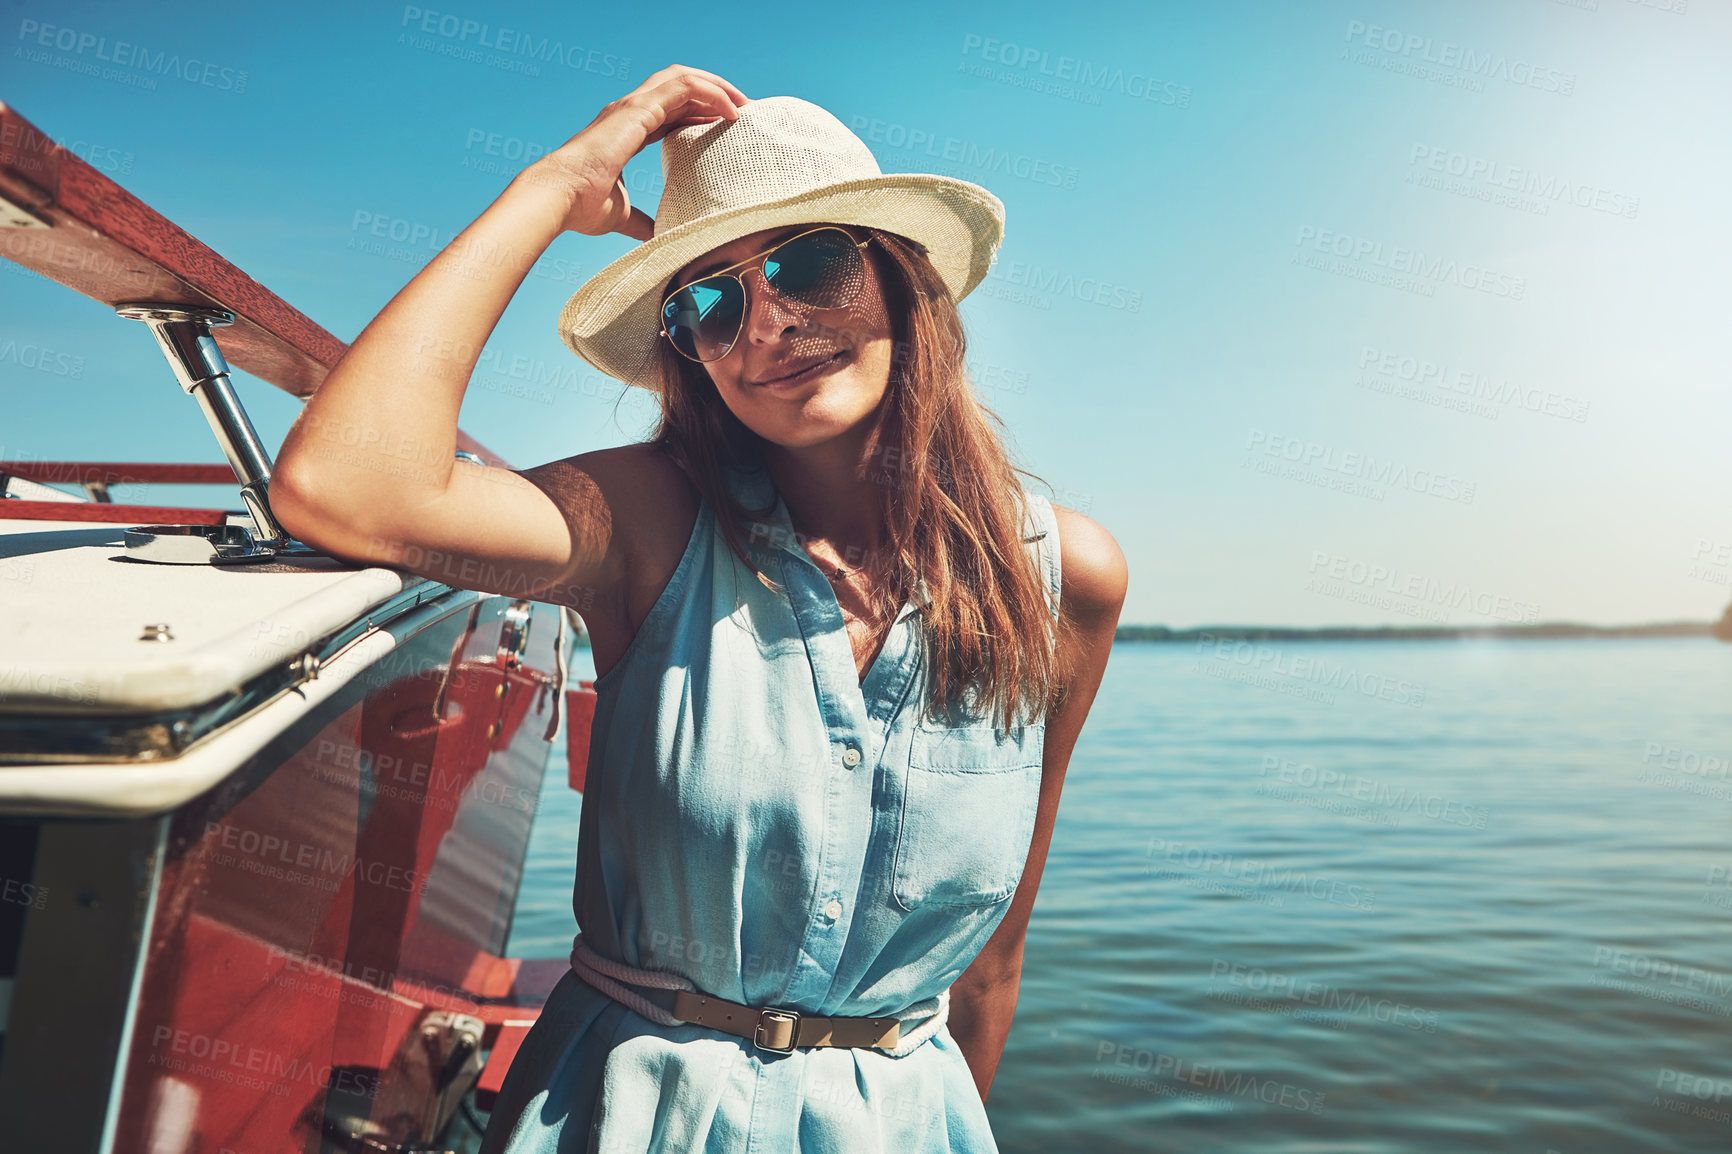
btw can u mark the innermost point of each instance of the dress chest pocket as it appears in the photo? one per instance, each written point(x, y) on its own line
point(968, 813)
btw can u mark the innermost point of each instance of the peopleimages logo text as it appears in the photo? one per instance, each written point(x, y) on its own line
point(1316, 668)
point(1256, 872)
point(1359, 466)
point(1516, 178)
point(1390, 579)
point(514, 43)
point(1411, 262)
point(1446, 54)
point(1103, 78)
point(927, 142)
point(1472, 383)
point(123, 54)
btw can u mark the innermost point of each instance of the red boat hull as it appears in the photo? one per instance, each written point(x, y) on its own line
point(324, 960)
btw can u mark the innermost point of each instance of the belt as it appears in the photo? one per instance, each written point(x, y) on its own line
point(775, 1029)
point(780, 1030)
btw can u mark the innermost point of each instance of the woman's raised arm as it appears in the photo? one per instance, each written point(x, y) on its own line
point(369, 470)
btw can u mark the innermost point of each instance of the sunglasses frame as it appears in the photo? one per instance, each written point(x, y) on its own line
point(732, 275)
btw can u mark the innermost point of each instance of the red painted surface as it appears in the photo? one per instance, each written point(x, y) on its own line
point(118, 472)
point(359, 872)
point(315, 907)
point(95, 511)
point(580, 714)
point(511, 1036)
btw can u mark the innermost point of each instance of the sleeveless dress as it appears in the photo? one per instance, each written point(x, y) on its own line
point(761, 822)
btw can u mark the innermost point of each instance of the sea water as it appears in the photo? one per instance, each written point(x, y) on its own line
point(1369, 897)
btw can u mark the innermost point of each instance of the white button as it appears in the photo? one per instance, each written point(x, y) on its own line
point(850, 757)
point(833, 910)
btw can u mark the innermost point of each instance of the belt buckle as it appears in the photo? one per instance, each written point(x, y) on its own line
point(787, 1015)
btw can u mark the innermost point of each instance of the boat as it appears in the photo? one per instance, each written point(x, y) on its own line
point(263, 811)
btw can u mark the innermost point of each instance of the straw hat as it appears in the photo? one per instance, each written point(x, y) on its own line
point(783, 161)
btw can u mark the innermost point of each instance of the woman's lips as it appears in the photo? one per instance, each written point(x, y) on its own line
point(800, 378)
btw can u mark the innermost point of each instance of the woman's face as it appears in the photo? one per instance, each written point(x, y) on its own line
point(777, 337)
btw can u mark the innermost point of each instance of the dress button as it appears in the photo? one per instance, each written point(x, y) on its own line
point(850, 757)
point(833, 910)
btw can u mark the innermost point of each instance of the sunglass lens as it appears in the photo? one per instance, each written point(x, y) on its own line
point(821, 269)
point(703, 318)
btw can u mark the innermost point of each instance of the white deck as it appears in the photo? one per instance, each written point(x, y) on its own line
point(73, 608)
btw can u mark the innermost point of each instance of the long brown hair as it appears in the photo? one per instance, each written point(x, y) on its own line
point(951, 510)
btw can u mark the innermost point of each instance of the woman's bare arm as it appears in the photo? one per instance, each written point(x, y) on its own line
point(369, 469)
point(1095, 577)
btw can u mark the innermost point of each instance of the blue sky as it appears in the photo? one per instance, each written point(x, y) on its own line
point(1354, 312)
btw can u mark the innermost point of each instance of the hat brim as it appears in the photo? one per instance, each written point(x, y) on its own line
point(612, 320)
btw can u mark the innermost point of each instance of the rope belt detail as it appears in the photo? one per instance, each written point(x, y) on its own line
point(769, 1028)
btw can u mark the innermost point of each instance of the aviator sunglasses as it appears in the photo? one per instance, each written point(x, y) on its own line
point(821, 268)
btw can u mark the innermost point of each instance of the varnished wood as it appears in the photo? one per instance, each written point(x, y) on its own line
point(92, 511)
point(118, 472)
point(112, 247)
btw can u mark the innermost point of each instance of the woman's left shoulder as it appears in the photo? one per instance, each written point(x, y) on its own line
point(1091, 564)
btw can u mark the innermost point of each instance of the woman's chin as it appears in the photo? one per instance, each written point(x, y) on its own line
point(823, 414)
point(807, 430)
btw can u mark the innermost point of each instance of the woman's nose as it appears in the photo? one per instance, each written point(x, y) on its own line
point(768, 316)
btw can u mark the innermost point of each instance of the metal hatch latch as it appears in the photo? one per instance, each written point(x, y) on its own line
point(183, 333)
point(514, 633)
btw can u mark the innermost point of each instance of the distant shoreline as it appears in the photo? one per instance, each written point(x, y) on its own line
point(1550, 629)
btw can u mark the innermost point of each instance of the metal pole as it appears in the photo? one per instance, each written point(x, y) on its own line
point(183, 332)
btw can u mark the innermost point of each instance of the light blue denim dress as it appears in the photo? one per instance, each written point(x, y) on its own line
point(762, 823)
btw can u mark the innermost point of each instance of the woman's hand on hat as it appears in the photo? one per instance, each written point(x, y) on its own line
point(588, 167)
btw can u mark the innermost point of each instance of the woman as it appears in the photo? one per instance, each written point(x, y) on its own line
point(842, 656)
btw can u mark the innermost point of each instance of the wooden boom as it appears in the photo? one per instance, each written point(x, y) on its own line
point(65, 220)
